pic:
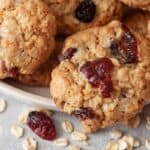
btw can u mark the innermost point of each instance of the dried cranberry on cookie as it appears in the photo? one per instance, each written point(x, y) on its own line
point(27, 31)
point(75, 15)
point(104, 75)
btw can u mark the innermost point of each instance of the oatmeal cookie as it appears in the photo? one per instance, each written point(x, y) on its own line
point(27, 31)
point(75, 15)
point(41, 77)
point(142, 4)
point(103, 76)
point(138, 21)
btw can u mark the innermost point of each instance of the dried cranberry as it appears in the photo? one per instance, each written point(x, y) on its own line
point(67, 54)
point(98, 74)
point(84, 113)
point(86, 10)
point(41, 125)
point(125, 49)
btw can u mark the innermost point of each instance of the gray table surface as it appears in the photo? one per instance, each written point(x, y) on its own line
point(15, 107)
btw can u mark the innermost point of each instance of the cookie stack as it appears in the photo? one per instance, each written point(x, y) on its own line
point(94, 54)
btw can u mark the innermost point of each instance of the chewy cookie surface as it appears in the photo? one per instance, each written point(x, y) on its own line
point(103, 76)
point(42, 76)
point(27, 31)
point(142, 4)
point(138, 21)
point(75, 15)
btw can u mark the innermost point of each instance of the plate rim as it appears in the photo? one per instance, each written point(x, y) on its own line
point(27, 97)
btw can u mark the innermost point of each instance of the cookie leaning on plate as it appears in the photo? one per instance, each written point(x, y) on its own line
point(27, 31)
point(104, 75)
point(138, 21)
point(75, 15)
point(142, 4)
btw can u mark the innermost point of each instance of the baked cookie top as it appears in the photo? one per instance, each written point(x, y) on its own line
point(103, 76)
point(75, 15)
point(27, 31)
point(42, 76)
point(138, 21)
point(143, 4)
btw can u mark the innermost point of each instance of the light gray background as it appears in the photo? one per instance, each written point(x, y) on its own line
point(15, 107)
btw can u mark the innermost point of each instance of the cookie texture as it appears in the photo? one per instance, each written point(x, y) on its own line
point(27, 31)
point(42, 76)
point(138, 21)
point(75, 15)
point(103, 76)
point(142, 4)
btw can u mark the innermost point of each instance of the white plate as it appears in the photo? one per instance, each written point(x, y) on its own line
point(32, 95)
point(41, 97)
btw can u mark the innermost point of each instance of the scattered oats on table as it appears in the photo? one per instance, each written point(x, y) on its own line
point(29, 144)
point(17, 131)
point(62, 142)
point(2, 105)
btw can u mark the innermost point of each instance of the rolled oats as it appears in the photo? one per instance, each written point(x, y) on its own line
point(136, 143)
point(148, 119)
point(112, 145)
point(67, 126)
point(147, 126)
point(122, 145)
point(72, 147)
point(116, 134)
point(78, 136)
point(129, 140)
point(17, 131)
point(23, 117)
point(2, 105)
point(147, 143)
point(62, 142)
point(109, 107)
point(29, 144)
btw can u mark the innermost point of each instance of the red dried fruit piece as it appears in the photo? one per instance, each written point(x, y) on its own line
point(86, 10)
point(67, 54)
point(98, 74)
point(41, 125)
point(125, 49)
point(84, 113)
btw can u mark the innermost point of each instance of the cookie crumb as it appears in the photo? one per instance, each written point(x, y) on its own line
point(17, 131)
point(62, 142)
point(2, 105)
point(29, 144)
point(67, 126)
point(78, 136)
